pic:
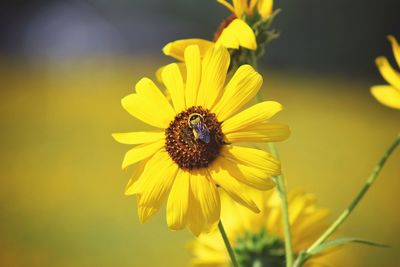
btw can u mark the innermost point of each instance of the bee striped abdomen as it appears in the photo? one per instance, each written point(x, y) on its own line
point(201, 132)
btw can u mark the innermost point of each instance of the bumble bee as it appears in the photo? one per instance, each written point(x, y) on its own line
point(200, 131)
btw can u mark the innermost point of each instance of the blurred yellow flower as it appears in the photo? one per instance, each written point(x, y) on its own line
point(389, 95)
point(191, 156)
point(247, 27)
point(233, 33)
point(258, 239)
point(240, 7)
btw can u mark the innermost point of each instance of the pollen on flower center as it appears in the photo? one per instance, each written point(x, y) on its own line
point(182, 145)
point(225, 23)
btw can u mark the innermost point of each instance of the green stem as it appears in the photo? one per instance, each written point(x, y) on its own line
point(253, 59)
point(280, 183)
point(227, 244)
point(371, 179)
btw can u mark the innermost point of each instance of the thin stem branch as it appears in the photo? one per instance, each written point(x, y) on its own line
point(253, 60)
point(371, 179)
point(227, 244)
point(280, 183)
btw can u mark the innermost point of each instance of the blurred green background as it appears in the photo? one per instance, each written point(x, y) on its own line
point(64, 67)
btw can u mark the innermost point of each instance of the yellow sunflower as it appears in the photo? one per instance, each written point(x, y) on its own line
point(258, 239)
point(241, 7)
point(389, 95)
point(191, 154)
point(234, 32)
point(237, 31)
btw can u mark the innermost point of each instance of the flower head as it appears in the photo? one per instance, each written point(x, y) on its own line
point(232, 33)
point(246, 29)
point(249, 8)
point(258, 238)
point(192, 154)
point(389, 95)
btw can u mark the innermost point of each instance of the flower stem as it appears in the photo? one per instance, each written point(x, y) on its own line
point(371, 179)
point(253, 60)
point(227, 244)
point(280, 183)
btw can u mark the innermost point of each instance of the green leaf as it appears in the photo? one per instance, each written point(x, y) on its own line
point(342, 241)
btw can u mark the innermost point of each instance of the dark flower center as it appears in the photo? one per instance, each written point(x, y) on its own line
point(223, 25)
point(194, 138)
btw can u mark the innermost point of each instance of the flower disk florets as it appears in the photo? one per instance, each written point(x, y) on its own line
point(184, 148)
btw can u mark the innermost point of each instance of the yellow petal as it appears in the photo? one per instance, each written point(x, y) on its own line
point(243, 86)
point(177, 48)
point(387, 95)
point(147, 88)
point(265, 132)
point(236, 34)
point(230, 210)
point(135, 138)
point(312, 232)
point(214, 259)
point(273, 223)
point(193, 64)
point(387, 72)
point(265, 8)
point(158, 74)
point(152, 167)
point(227, 5)
point(297, 206)
point(141, 152)
point(210, 243)
point(396, 49)
point(143, 109)
point(252, 116)
point(308, 223)
point(254, 158)
point(182, 68)
point(239, 7)
point(172, 79)
point(208, 250)
point(196, 220)
point(205, 193)
point(235, 189)
point(252, 5)
point(178, 201)
point(149, 104)
point(249, 175)
point(144, 212)
point(156, 181)
point(145, 166)
point(129, 189)
point(214, 69)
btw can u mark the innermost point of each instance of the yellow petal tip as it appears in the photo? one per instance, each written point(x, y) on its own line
point(124, 164)
point(391, 38)
point(167, 49)
point(379, 60)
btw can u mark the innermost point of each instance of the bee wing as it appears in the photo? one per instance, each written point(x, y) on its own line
point(202, 132)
